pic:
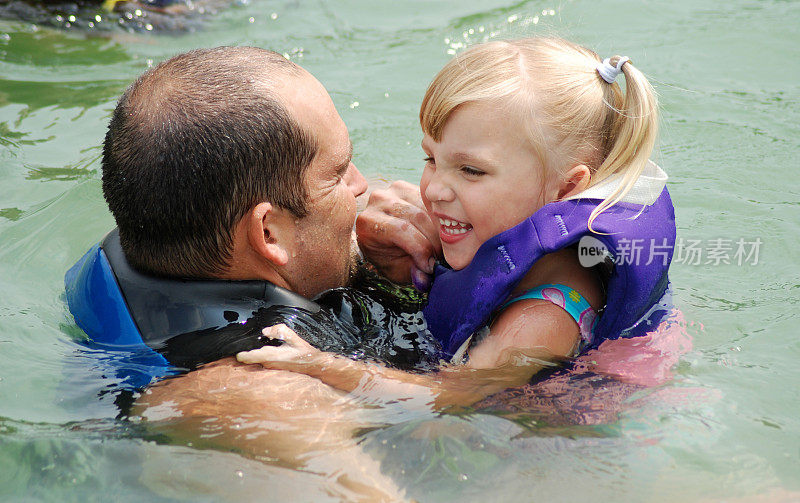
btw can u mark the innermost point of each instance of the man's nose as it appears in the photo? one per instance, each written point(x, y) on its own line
point(355, 180)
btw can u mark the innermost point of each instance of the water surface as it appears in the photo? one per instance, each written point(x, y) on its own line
point(727, 75)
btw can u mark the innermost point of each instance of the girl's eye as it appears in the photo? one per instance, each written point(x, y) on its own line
point(429, 160)
point(470, 171)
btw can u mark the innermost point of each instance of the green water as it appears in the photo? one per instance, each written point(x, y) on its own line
point(727, 74)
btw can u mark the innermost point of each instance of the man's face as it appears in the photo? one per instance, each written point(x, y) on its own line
point(322, 255)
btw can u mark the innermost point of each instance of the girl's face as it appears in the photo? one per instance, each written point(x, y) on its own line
point(482, 178)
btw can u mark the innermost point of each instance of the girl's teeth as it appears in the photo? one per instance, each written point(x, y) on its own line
point(452, 223)
point(454, 226)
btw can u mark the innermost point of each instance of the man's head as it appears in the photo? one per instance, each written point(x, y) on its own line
point(208, 145)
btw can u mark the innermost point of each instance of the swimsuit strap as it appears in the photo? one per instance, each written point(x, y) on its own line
point(568, 299)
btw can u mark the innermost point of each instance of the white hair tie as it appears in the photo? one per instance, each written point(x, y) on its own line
point(610, 72)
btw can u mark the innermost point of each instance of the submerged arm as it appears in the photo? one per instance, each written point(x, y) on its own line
point(282, 417)
point(456, 385)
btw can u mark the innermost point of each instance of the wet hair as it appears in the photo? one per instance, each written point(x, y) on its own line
point(193, 145)
point(572, 115)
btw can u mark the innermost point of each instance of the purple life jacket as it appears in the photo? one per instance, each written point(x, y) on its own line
point(640, 238)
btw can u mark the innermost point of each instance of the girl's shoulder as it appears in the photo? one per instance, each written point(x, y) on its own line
point(541, 323)
point(563, 268)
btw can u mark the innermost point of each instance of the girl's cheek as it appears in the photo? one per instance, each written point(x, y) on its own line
point(423, 186)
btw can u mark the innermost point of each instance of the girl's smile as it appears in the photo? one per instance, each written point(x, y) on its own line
point(481, 178)
point(452, 231)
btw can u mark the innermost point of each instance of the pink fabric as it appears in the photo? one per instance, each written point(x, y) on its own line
point(555, 296)
point(599, 384)
point(645, 360)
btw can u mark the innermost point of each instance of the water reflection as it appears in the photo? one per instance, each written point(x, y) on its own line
point(129, 15)
point(37, 95)
point(680, 449)
point(86, 168)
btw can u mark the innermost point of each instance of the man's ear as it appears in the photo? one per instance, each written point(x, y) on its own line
point(263, 230)
point(574, 182)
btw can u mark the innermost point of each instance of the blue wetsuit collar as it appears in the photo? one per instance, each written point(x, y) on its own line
point(165, 307)
point(164, 323)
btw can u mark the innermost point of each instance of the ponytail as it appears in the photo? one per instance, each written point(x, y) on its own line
point(629, 132)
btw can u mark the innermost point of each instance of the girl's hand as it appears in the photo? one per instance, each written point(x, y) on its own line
point(296, 355)
point(293, 349)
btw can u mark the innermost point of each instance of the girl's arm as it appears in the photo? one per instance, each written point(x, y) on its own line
point(457, 385)
point(531, 326)
point(526, 336)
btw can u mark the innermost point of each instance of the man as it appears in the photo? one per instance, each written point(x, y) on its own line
point(201, 167)
point(233, 164)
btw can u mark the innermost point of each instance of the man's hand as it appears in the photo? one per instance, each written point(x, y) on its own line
point(395, 233)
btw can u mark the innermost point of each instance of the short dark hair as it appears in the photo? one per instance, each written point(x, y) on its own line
point(193, 145)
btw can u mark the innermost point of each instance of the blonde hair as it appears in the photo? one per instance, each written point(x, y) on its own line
point(554, 84)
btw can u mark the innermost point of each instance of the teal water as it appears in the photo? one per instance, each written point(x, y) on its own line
point(727, 75)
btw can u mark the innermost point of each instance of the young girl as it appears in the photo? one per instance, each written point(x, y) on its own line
point(531, 148)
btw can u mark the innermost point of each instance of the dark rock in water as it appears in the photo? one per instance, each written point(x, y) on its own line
point(135, 15)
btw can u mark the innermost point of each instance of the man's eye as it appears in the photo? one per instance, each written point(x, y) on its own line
point(470, 171)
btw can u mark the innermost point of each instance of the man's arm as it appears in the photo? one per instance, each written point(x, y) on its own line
point(290, 419)
point(395, 232)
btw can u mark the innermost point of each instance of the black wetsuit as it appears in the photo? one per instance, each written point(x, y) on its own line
point(193, 322)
